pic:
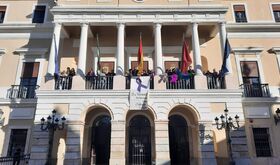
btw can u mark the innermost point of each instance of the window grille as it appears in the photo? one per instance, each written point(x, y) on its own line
point(262, 142)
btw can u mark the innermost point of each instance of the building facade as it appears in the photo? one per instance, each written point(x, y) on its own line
point(107, 121)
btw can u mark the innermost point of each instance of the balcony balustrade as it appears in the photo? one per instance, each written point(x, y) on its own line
point(63, 82)
point(214, 82)
point(22, 91)
point(180, 83)
point(9, 160)
point(99, 82)
point(255, 90)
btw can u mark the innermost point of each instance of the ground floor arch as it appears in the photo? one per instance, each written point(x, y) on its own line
point(97, 136)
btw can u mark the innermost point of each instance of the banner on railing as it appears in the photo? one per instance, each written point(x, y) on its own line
point(140, 84)
point(139, 92)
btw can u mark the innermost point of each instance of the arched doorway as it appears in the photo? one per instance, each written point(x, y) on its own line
point(178, 140)
point(101, 140)
point(139, 141)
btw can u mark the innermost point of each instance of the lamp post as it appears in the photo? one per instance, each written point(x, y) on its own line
point(227, 124)
point(52, 124)
point(277, 116)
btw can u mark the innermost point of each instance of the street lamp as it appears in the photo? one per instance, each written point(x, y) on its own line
point(227, 124)
point(277, 116)
point(52, 124)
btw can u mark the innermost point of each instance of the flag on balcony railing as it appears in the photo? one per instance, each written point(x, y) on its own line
point(186, 59)
point(56, 67)
point(98, 54)
point(224, 68)
point(140, 57)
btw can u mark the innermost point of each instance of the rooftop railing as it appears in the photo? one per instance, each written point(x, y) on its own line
point(255, 90)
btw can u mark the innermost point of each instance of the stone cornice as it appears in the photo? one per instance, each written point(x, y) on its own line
point(2, 51)
point(275, 50)
point(25, 27)
point(31, 51)
point(202, 13)
point(247, 50)
point(253, 27)
point(230, 93)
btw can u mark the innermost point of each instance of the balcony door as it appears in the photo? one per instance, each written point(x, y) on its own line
point(28, 80)
point(251, 78)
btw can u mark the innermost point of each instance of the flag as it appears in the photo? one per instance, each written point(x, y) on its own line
point(227, 50)
point(186, 59)
point(140, 57)
point(56, 68)
point(98, 54)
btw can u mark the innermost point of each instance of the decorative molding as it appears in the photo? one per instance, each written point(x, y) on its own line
point(247, 50)
point(31, 51)
point(134, 14)
point(275, 50)
point(2, 51)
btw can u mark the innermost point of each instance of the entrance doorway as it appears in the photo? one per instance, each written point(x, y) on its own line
point(178, 140)
point(139, 141)
point(101, 140)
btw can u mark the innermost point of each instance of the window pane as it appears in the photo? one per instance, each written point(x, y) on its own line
point(17, 141)
point(39, 14)
point(262, 144)
point(249, 69)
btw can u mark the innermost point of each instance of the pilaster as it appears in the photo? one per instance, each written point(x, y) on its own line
point(162, 142)
point(117, 142)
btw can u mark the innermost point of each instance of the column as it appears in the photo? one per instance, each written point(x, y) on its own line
point(54, 48)
point(83, 50)
point(118, 147)
point(196, 48)
point(223, 37)
point(162, 142)
point(206, 146)
point(120, 50)
point(158, 49)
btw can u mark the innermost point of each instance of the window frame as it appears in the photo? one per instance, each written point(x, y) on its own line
point(33, 12)
point(6, 13)
point(272, 12)
point(269, 141)
point(246, 13)
point(8, 135)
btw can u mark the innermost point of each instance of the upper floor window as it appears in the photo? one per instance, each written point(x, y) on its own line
point(276, 12)
point(239, 13)
point(39, 14)
point(262, 142)
point(250, 72)
point(2, 13)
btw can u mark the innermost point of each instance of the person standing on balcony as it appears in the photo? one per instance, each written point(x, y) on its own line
point(16, 158)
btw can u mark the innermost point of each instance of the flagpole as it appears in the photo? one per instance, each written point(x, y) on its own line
point(98, 53)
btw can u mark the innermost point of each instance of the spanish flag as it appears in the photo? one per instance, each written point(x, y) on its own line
point(140, 57)
point(186, 59)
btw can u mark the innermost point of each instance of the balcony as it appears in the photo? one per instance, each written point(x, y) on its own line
point(255, 90)
point(214, 82)
point(22, 91)
point(99, 82)
point(63, 82)
point(179, 83)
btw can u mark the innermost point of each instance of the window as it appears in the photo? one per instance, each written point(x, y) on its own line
point(2, 13)
point(39, 14)
point(262, 142)
point(250, 72)
point(17, 141)
point(28, 80)
point(276, 12)
point(239, 13)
